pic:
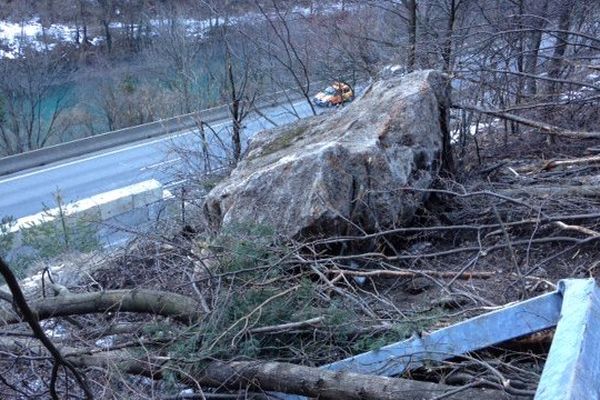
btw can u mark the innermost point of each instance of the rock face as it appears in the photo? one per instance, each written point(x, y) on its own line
point(340, 173)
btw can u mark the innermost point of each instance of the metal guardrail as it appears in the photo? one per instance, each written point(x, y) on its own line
point(477, 333)
point(572, 369)
point(79, 147)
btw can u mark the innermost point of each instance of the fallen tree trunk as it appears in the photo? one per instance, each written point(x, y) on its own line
point(542, 126)
point(265, 376)
point(558, 191)
point(155, 302)
point(322, 384)
point(549, 165)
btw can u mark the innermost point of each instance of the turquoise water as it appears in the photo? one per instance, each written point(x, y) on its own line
point(83, 96)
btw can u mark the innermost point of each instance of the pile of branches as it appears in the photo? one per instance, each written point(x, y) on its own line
point(191, 314)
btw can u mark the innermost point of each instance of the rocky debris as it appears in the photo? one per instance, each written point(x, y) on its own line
point(343, 172)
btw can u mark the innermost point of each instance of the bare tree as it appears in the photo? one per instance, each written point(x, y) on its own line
point(31, 102)
point(240, 105)
point(176, 53)
point(106, 13)
point(411, 6)
point(292, 56)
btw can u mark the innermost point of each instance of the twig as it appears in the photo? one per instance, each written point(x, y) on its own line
point(483, 251)
point(472, 194)
point(413, 273)
point(289, 325)
point(511, 251)
point(582, 229)
point(541, 219)
point(469, 385)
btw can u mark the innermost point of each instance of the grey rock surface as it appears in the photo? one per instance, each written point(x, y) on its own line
point(344, 172)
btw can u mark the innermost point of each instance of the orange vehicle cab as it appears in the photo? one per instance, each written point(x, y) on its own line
point(335, 94)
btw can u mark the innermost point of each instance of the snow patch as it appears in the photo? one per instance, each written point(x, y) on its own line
point(14, 35)
point(106, 342)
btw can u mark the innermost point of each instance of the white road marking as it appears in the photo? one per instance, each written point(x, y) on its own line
point(159, 164)
point(173, 184)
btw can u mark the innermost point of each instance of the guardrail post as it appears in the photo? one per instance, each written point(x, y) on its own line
point(572, 370)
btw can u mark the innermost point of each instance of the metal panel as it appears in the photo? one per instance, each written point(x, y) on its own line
point(572, 370)
point(508, 323)
point(476, 333)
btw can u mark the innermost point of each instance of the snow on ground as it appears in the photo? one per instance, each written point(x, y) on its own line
point(14, 34)
point(393, 68)
point(474, 129)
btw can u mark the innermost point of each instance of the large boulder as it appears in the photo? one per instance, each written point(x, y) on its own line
point(342, 172)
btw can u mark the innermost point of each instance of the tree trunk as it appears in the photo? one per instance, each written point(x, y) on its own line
point(85, 35)
point(520, 58)
point(236, 134)
point(263, 375)
point(556, 62)
point(560, 48)
point(107, 36)
point(146, 301)
point(531, 58)
point(411, 6)
point(447, 46)
point(235, 116)
point(205, 149)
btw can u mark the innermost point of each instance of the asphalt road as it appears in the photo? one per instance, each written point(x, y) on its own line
point(29, 191)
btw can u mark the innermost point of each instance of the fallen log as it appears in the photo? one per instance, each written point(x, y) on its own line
point(549, 165)
point(155, 302)
point(577, 228)
point(559, 191)
point(542, 126)
point(321, 384)
point(265, 376)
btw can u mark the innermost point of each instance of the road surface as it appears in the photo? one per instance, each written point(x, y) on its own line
point(27, 192)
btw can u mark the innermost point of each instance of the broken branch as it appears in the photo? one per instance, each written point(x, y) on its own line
point(146, 301)
point(542, 126)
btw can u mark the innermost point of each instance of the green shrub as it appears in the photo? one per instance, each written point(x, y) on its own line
point(244, 246)
point(51, 239)
point(61, 234)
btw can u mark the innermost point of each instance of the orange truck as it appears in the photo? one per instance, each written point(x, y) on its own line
point(334, 95)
